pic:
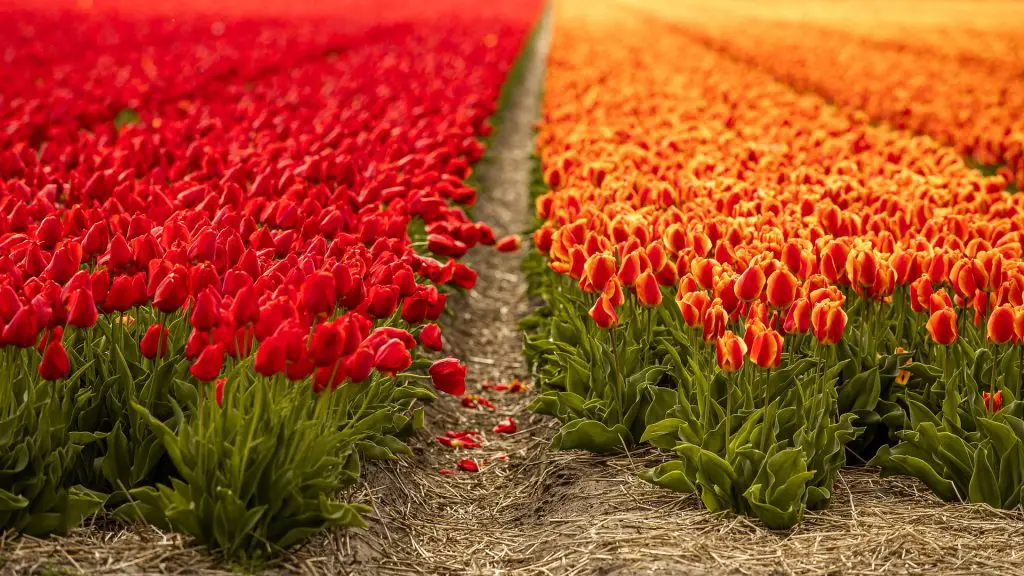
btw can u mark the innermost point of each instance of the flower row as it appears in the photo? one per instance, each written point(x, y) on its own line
point(762, 273)
point(223, 300)
point(968, 102)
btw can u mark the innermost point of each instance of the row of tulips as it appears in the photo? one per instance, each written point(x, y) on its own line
point(211, 314)
point(970, 103)
point(745, 276)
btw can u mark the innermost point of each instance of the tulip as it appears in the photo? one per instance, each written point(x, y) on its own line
point(603, 313)
point(171, 294)
point(729, 351)
point(598, 270)
point(22, 331)
point(509, 243)
point(318, 294)
point(392, 357)
point(430, 337)
point(798, 318)
point(942, 326)
point(198, 340)
point(270, 358)
point(359, 365)
point(647, 290)
point(449, 376)
point(382, 300)
point(218, 392)
point(82, 311)
point(205, 312)
point(245, 309)
point(781, 289)
point(463, 276)
point(327, 345)
point(694, 306)
point(993, 402)
point(715, 321)
point(766, 350)
point(631, 268)
point(1001, 325)
point(828, 321)
point(154, 342)
point(209, 364)
point(54, 364)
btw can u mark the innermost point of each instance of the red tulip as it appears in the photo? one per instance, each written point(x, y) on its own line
point(318, 293)
point(430, 337)
point(382, 300)
point(603, 313)
point(766, 350)
point(82, 309)
point(392, 357)
point(509, 243)
point(449, 376)
point(993, 402)
point(781, 288)
point(22, 331)
point(55, 364)
point(154, 342)
point(327, 345)
point(359, 365)
point(715, 321)
point(598, 270)
point(206, 310)
point(209, 364)
point(171, 294)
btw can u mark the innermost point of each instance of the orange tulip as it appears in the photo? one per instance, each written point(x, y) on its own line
point(729, 350)
point(942, 326)
point(766, 350)
point(750, 284)
point(603, 313)
point(715, 321)
point(647, 290)
point(993, 402)
point(694, 306)
point(599, 270)
point(781, 289)
point(828, 321)
point(1001, 325)
point(798, 319)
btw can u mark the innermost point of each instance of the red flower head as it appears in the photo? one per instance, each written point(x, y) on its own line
point(382, 300)
point(154, 342)
point(171, 294)
point(993, 402)
point(206, 310)
point(359, 365)
point(430, 337)
point(942, 326)
point(55, 364)
point(392, 357)
point(209, 364)
point(798, 319)
point(318, 294)
point(22, 331)
point(509, 243)
point(694, 306)
point(82, 309)
point(729, 351)
point(327, 345)
point(715, 321)
point(598, 270)
point(449, 376)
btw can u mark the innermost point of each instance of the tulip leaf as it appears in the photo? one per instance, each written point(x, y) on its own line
point(984, 487)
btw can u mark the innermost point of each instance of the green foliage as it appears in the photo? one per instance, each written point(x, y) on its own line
point(38, 453)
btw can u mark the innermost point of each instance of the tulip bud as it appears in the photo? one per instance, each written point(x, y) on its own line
point(430, 337)
point(55, 364)
point(781, 288)
point(715, 321)
point(729, 351)
point(693, 306)
point(1001, 325)
point(603, 313)
point(993, 402)
point(750, 284)
point(647, 290)
point(598, 270)
point(209, 364)
point(449, 376)
point(766, 350)
point(942, 326)
point(828, 321)
point(154, 342)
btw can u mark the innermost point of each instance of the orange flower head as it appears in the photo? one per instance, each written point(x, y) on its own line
point(693, 306)
point(599, 269)
point(798, 319)
point(1001, 325)
point(705, 271)
point(766, 350)
point(630, 269)
point(828, 321)
point(647, 290)
point(750, 284)
point(993, 402)
point(942, 326)
point(920, 294)
point(715, 321)
point(603, 313)
point(862, 268)
point(781, 288)
point(729, 351)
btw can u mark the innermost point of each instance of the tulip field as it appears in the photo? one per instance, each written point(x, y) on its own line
point(275, 270)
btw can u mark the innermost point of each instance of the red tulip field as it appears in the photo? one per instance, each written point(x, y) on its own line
point(455, 287)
